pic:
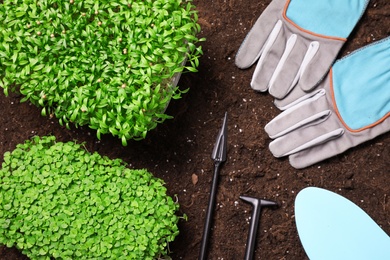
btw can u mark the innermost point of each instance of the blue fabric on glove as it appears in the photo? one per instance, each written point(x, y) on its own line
point(335, 18)
point(360, 108)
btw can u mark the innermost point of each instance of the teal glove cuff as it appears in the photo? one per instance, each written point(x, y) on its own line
point(334, 18)
point(366, 102)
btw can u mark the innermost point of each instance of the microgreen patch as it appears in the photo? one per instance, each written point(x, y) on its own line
point(59, 201)
point(110, 65)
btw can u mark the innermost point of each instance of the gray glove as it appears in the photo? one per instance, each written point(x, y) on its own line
point(296, 42)
point(351, 106)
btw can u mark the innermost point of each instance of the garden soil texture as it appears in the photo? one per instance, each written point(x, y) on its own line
point(179, 150)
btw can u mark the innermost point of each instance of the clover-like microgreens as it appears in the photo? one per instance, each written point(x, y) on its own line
point(59, 201)
point(111, 65)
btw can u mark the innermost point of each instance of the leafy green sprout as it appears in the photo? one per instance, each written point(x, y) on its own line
point(110, 65)
point(59, 201)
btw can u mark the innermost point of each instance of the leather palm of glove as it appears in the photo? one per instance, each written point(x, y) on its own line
point(295, 42)
point(351, 106)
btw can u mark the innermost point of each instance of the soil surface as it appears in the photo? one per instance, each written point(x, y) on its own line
point(180, 149)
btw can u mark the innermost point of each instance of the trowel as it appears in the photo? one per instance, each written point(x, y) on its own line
point(332, 227)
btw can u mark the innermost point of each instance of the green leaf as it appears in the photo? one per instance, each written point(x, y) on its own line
point(22, 11)
point(14, 57)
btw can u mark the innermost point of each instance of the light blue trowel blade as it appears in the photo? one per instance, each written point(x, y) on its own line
point(331, 227)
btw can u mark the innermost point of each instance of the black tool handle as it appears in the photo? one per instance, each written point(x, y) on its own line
point(257, 205)
point(250, 247)
point(209, 214)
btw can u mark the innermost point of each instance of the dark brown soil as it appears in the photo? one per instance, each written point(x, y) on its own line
point(182, 146)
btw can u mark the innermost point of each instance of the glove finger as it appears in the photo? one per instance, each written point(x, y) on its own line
point(308, 112)
point(304, 139)
point(270, 57)
point(253, 44)
point(316, 154)
point(294, 60)
point(294, 97)
point(319, 64)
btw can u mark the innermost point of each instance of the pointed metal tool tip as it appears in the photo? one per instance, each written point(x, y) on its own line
point(220, 147)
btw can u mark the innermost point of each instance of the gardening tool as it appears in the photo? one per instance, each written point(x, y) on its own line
point(332, 227)
point(219, 157)
point(257, 205)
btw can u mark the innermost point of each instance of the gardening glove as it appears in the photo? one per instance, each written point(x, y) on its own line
point(351, 106)
point(296, 42)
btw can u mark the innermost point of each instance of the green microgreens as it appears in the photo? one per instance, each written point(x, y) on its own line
point(106, 64)
point(59, 201)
